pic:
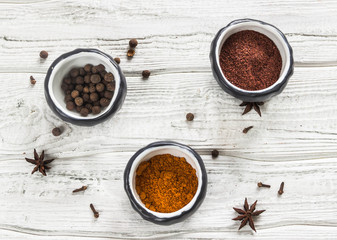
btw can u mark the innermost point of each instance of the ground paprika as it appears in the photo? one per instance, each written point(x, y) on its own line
point(166, 183)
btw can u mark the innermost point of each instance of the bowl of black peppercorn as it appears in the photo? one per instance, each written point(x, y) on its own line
point(85, 87)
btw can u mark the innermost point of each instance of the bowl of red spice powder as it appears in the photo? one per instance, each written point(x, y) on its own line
point(251, 60)
point(166, 182)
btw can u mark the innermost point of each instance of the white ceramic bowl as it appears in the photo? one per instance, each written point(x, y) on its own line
point(281, 43)
point(74, 59)
point(175, 149)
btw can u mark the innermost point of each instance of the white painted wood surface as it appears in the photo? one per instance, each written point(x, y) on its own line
point(295, 140)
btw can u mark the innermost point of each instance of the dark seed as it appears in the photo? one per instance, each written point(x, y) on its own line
point(92, 88)
point(96, 109)
point(79, 101)
point(100, 67)
point(94, 69)
point(86, 97)
point(117, 60)
point(133, 43)
point(75, 94)
point(104, 102)
point(68, 98)
point(43, 54)
point(109, 77)
point(215, 153)
point(67, 80)
point(84, 112)
point(94, 97)
point(100, 87)
point(32, 80)
point(87, 78)
point(110, 86)
point(74, 72)
point(86, 89)
point(189, 116)
point(79, 88)
point(64, 87)
point(87, 68)
point(95, 78)
point(79, 80)
point(56, 131)
point(130, 53)
point(108, 94)
point(70, 105)
point(146, 74)
point(82, 72)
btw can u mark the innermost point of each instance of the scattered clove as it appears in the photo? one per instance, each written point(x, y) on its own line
point(247, 129)
point(280, 191)
point(96, 214)
point(260, 184)
point(83, 188)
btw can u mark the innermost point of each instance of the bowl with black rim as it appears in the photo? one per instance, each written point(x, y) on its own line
point(175, 149)
point(273, 34)
point(75, 59)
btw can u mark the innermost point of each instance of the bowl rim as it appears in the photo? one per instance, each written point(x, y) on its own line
point(272, 90)
point(113, 108)
point(144, 212)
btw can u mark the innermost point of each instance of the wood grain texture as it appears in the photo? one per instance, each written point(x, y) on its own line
point(295, 140)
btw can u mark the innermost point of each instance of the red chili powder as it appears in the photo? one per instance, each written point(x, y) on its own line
point(250, 60)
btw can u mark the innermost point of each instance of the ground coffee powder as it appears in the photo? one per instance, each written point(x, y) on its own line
point(250, 60)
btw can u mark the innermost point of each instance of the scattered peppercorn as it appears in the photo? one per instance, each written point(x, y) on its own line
point(56, 131)
point(146, 74)
point(43, 54)
point(133, 43)
point(189, 116)
point(32, 80)
point(117, 60)
point(215, 153)
point(131, 53)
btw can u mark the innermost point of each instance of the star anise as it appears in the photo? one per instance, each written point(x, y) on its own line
point(39, 162)
point(250, 105)
point(247, 214)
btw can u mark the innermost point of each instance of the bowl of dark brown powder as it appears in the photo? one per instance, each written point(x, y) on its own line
point(165, 182)
point(251, 60)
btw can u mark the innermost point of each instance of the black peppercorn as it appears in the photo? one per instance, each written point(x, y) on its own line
point(75, 93)
point(189, 116)
point(109, 77)
point(70, 106)
point(100, 87)
point(79, 80)
point(95, 78)
point(92, 88)
point(133, 43)
point(94, 69)
point(88, 106)
point(79, 88)
point(85, 97)
point(79, 108)
point(117, 60)
point(64, 86)
point(87, 78)
point(102, 74)
point(84, 112)
point(74, 72)
point(94, 97)
point(71, 87)
point(43, 54)
point(82, 72)
point(86, 89)
point(215, 153)
point(110, 86)
point(104, 102)
point(68, 98)
point(87, 68)
point(67, 80)
point(130, 53)
point(96, 103)
point(79, 101)
point(146, 74)
point(96, 109)
point(100, 67)
point(108, 94)
point(56, 131)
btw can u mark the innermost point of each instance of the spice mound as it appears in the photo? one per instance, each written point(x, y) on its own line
point(166, 183)
point(250, 60)
point(88, 89)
